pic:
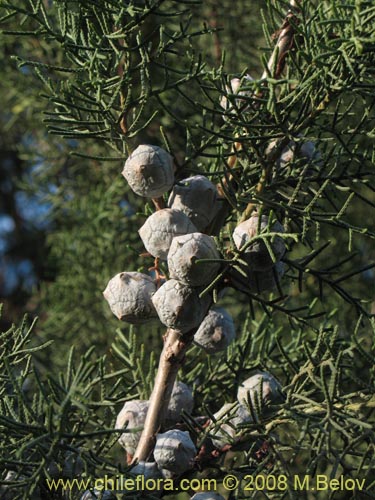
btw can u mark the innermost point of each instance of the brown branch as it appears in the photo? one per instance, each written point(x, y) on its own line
point(171, 359)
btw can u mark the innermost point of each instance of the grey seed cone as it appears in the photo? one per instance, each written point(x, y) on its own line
point(129, 297)
point(149, 171)
point(161, 227)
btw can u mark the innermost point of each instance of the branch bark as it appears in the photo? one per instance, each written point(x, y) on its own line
point(276, 63)
point(176, 344)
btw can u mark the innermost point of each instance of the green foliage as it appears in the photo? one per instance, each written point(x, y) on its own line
point(325, 426)
point(46, 420)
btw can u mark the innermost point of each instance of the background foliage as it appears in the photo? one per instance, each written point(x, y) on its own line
point(83, 84)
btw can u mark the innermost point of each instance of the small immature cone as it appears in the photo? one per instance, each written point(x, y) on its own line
point(161, 227)
point(185, 251)
point(179, 306)
point(181, 400)
point(129, 297)
point(216, 331)
point(197, 197)
point(257, 255)
point(149, 171)
point(175, 451)
point(132, 416)
point(228, 432)
point(265, 386)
